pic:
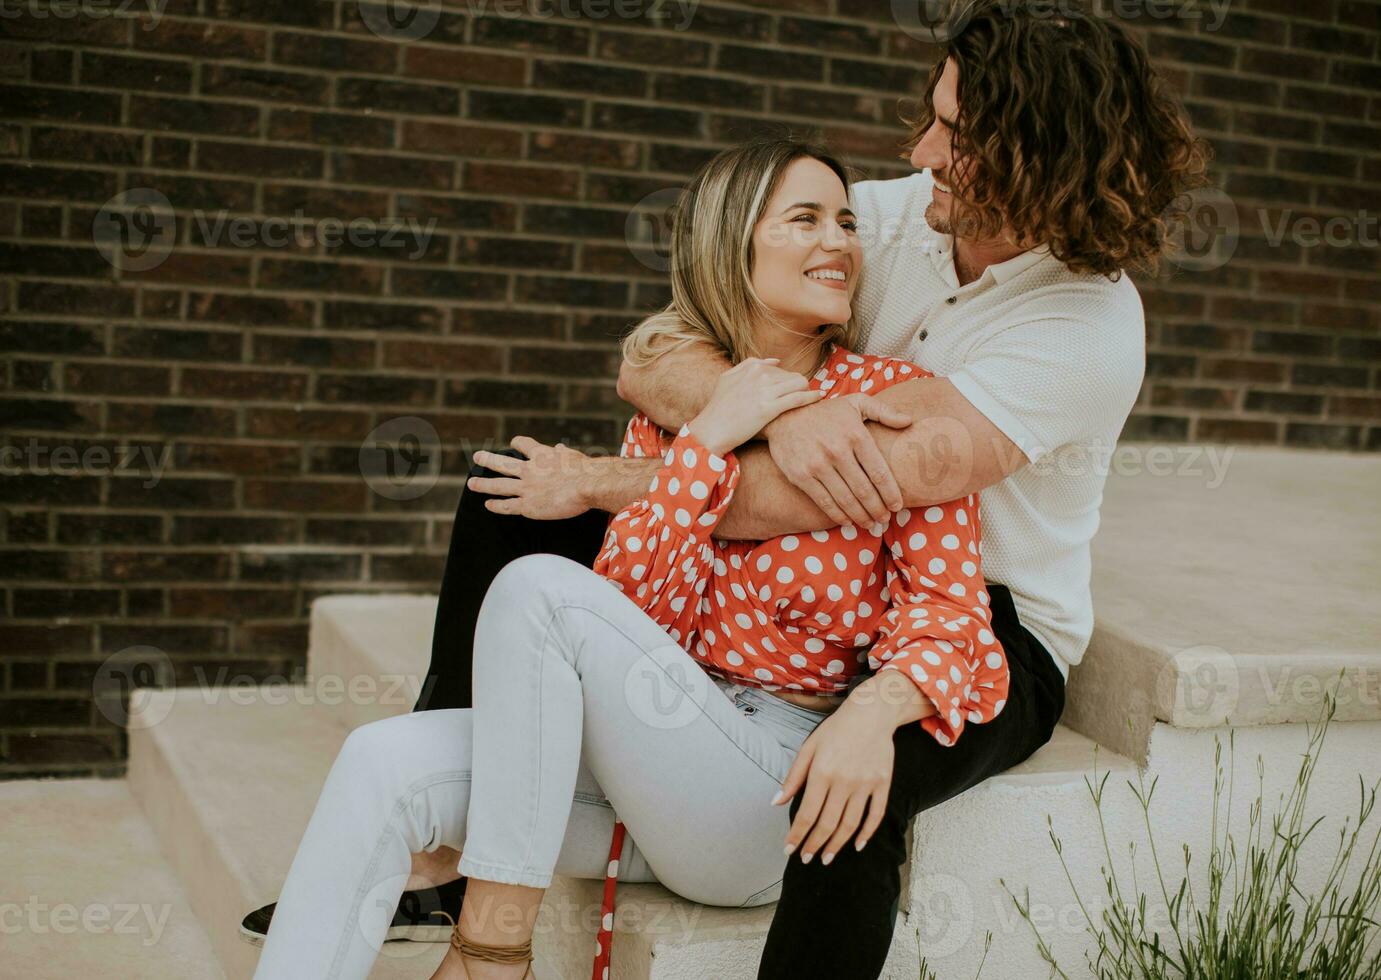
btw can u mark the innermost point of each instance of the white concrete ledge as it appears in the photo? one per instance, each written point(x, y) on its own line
point(1232, 589)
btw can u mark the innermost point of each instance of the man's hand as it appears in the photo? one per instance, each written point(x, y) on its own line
point(843, 764)
point(546, 486)
point(826, 451)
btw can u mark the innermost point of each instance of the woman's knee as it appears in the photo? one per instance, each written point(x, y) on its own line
point(533, 578)
point(375, 748)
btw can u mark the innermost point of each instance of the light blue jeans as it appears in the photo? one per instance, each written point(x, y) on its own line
point(584, 708)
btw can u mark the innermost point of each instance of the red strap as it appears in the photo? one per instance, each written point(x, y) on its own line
point(605, 940)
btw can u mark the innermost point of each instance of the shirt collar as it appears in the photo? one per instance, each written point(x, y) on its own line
point(940, 248)
point(1018, 264)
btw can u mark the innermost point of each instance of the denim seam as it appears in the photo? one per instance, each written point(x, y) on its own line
point(541, 668)
point(501, 872)
point(760, 892)
point(403, 801)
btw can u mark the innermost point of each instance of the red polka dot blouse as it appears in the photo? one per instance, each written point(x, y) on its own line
point(806, 612)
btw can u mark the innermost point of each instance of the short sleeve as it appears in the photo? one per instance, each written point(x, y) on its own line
point(1052, 381)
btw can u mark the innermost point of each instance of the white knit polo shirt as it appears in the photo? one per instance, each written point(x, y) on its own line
point(1052, 358)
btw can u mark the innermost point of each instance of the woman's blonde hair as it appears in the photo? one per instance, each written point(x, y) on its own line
point(712, 296)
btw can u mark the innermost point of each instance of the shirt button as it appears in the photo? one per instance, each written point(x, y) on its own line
point(923, 335)
point(952, 300)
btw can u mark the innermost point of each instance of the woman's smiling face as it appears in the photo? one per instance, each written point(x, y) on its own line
point(806, 255)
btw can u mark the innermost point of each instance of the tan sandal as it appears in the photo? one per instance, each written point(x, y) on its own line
point(495, 953)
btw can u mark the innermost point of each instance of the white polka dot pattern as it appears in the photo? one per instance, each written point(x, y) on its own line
point(808, 612)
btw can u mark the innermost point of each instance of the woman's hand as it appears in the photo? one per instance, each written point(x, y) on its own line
point(748, 396)
point(843, 764)
point(545, 486)
point(829, 455)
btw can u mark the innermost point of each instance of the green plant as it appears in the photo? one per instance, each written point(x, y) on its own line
point(1255, 923)
point(928, 974)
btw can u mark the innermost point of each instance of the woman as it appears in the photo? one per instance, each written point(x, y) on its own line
point(682, 680)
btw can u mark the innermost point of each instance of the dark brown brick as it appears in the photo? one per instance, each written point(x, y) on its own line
point(455, 139)
point(193, 116)
point(532, 182)
point(409, 97)
point(470, 67)
point(123, 71)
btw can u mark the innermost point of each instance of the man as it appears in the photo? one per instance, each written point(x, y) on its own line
point(1047, 152)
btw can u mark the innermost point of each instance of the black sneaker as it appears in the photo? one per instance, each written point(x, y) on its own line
point(424, 916)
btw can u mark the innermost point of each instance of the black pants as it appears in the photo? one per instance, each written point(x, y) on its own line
point(858, 892)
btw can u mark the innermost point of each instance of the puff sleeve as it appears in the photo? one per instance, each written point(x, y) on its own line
point(658, 549)
point(937, 630)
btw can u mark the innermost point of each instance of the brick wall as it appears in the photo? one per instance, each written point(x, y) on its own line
point(196, 352)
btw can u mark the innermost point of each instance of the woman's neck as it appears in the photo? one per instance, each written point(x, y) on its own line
point(796, 352)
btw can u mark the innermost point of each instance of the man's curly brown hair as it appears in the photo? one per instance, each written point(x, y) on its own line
point(1071, 136)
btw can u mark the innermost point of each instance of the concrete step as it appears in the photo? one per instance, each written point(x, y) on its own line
point(85, 891)
point(376, 648)
point(228, 783)
point(382, 644)
point(229, 787)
